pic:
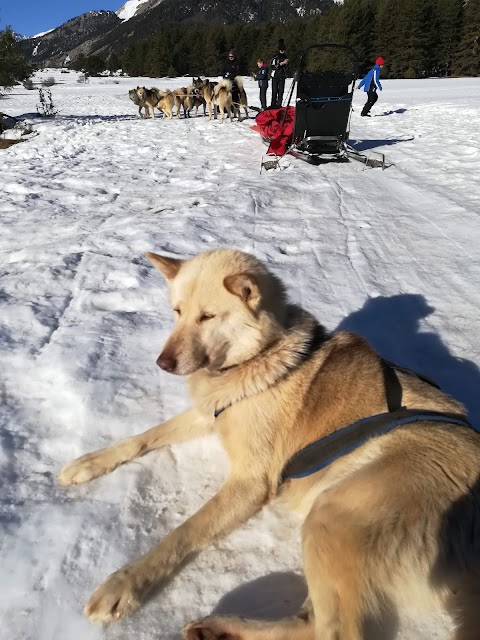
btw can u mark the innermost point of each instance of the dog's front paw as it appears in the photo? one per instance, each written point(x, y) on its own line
point(118, 596)
point(213, 628)
point(88, 467)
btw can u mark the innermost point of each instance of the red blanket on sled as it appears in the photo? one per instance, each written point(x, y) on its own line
point(271, 126)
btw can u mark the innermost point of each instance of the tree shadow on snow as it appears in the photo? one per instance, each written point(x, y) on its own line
point(93, 117)
point(365, 145)
point(392, 327)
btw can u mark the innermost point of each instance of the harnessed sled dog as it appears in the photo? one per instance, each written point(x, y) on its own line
point(223, 96)
point(151, 98)
point(189, 97)
point(382, 463)
point(239, 97)
point(133, 95)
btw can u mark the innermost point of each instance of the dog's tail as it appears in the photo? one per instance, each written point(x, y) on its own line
point(223, 84)
point(238, 80)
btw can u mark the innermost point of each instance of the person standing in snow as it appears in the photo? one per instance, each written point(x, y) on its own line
point(262, 79)
point(370, 84)
point(231, 67)
point(279, 73)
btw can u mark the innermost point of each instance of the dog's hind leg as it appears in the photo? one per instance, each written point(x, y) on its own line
point(465, 610)
point(334, 571)
point(186, 426)
point(233, 628)
point(123, 592)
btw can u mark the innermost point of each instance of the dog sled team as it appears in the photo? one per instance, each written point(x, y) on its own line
point(227, 97)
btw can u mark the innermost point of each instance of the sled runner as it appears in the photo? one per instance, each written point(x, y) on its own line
point(317, 127)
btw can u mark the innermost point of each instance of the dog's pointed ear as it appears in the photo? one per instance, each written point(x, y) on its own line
point(245, 286)
point(168, 267)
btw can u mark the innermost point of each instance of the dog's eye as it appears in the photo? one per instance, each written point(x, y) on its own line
point(177, 311)
point(206, 316)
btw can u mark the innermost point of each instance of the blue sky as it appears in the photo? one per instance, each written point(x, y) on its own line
point(29, 17)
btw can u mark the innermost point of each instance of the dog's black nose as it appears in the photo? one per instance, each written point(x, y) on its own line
point(167, 362)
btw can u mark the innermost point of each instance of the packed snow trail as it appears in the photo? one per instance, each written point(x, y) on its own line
point(393, 255)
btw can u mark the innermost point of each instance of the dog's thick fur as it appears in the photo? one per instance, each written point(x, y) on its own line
point(206, 88)
point(395, 522)
point(194, 99)
point(134, 97)
point(239, 97)
point(222, 99)
point(165, 103)
point(151, 98)
point(180, 96)
point(217, 96)
point(189, 97)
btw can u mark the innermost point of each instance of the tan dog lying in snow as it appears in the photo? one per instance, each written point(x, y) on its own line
point(395, 521)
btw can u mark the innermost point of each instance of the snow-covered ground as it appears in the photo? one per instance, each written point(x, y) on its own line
point(394, 255)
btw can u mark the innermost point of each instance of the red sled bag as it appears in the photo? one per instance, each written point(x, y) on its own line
point(276, 128)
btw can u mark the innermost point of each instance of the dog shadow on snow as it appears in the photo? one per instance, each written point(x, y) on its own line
point(281, 594)
point(392, 325)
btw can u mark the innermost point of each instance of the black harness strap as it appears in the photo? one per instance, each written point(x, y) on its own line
point(393, 388)
point(322, 453)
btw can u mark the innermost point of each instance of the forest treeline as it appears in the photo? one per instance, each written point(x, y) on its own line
point(417, 38)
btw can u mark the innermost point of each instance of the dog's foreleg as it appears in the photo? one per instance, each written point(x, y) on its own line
point(188, 425)
point(123, 591)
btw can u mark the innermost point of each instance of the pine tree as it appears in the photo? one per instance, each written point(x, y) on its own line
point(450, 31)
point(214, 48)
point(113, 63)
point(78, 63)
point(158, 57)
point(94, 65)
point(13, 65)
point(389, 36)
point(468, 58)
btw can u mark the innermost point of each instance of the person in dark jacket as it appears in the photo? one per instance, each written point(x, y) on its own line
point(371, 83)
point(262, 79)
point(279, 73)
point(231, 67)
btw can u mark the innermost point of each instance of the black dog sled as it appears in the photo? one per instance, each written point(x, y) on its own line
point(317, 128)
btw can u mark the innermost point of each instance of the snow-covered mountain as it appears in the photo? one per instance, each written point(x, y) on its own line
point(42, 33)
point(101, 32)
point(18, 36)
point(78, 35)
point(133, 8)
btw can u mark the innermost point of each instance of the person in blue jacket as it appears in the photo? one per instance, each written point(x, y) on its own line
point(370, 84)
point(262, 79)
